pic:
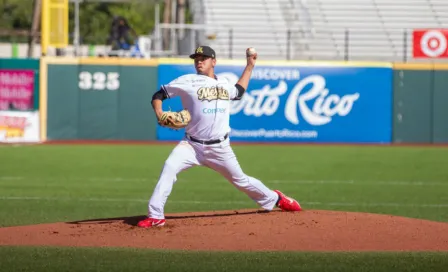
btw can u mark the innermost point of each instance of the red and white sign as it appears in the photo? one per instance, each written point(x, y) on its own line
point(430, 43)
point(19, 126)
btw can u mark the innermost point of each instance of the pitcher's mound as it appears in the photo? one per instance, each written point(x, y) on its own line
point(311, 230)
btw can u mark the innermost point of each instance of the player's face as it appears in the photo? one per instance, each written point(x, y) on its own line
point(204, 65)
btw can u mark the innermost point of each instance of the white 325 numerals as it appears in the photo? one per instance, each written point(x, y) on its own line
point(99, 81)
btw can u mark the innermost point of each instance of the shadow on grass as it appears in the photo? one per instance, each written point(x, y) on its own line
point(133, 220)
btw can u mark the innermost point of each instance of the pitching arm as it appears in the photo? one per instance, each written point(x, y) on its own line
point(239, 92)
point(243, 82)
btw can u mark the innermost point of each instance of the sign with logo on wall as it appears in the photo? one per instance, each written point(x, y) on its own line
point(16, 89)
point(19, 127)
point(302, 103)
point(430, 43)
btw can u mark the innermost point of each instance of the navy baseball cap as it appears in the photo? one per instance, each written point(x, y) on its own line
point(203, 51)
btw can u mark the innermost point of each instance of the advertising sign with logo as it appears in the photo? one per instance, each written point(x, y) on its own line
point(430, 43)
point(16, 90)
point(309, 103)
point(19, 127)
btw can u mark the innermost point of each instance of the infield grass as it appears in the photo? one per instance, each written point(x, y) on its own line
point(48, 183)
point(42, 259)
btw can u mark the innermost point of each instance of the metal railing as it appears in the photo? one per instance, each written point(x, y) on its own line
point(358, 44)
point(335, 44)
point(292, 44)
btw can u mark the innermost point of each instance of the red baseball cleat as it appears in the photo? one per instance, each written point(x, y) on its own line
point(287, 204)
point(151, 222)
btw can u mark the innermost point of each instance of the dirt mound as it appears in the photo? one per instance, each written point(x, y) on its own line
point(253, 230)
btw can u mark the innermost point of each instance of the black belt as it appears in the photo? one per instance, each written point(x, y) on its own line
point(217, 141)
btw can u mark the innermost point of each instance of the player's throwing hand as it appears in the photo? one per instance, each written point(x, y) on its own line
point(251, 56)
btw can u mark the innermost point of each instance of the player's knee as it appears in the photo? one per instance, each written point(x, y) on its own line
point(170, 166)
point(239, 179)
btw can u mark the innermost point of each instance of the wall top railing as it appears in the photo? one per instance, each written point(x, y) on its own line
point(339, 44)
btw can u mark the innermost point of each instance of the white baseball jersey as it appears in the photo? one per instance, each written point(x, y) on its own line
point(208, 101)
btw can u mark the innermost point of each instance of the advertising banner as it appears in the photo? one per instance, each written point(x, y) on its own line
point(16, 89)
point(19, 127)
point(430, 43)
point(302, 103)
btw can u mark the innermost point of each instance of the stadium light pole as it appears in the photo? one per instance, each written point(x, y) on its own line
point(76, 30)
point(157, 25)
point(34, 27)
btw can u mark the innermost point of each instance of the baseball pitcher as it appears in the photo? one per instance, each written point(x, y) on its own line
point(206, 101)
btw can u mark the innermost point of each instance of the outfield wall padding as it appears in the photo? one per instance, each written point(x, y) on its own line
point(420, 103)
point(101, 102)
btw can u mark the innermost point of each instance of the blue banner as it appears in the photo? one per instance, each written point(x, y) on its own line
point(317, 103)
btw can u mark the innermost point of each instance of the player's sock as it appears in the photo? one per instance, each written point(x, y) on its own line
point(278, 200)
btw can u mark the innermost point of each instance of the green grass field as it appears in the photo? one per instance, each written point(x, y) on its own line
point(48, 183)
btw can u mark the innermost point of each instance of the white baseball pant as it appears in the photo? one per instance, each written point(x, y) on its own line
point(219, 157)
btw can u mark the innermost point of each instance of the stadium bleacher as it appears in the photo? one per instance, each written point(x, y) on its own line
point(322, 29)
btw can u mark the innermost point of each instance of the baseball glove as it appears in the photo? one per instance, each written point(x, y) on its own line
point(175, 120)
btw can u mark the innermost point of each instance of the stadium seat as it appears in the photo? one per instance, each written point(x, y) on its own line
point(321, 29)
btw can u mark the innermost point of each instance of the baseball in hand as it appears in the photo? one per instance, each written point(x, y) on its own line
point(250, 51)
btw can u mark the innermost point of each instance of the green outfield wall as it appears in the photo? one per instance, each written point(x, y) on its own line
point(420, 103)
point(440, 107)
point(100, 99)
point(110, 99)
